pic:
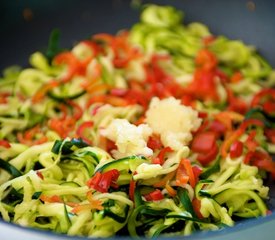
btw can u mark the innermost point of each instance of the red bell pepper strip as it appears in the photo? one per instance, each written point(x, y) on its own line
point(262, 160)
point(132, 188)
point(40, 94)
point(251, 142)
point(263, 96)
point(160, 159)
point(76, 109)
point(236, 134)
point(73, 64)
point(269, 106)
point(81, 130)
point(196, 203)
point(29, 136)
point(197, 172)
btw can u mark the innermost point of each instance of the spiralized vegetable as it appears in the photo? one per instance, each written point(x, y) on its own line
point(162, 129)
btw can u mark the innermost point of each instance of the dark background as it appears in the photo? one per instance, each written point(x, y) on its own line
point(25, 25)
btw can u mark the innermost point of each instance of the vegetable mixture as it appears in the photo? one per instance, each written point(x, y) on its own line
point(162, 129)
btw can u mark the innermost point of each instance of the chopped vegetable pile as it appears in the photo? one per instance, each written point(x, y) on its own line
point(161, 129)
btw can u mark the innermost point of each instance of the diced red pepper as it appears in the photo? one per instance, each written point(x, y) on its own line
point(40, 175)
point(203, 115)
point(208, 40)
point(235, 103)
point(154, 142)
point(4, 97)
point(236, 134)
point(270, 134)
point(217, 127)
point(203, 142)
point(103, 181)
point(236, 149)
point(206, 60)
point(118, 92)
point(154, 196)
point(204, 85)
point(188, 100)
point(206, 158)
point(4, 143)
point(62, 126)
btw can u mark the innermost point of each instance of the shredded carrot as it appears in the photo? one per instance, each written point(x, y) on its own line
point(163, 181)
point(95, 204)
point(236, 77)
point(182, 180)
point(81, 208)
point(97, 88)
point(50, 199)
point(32, 136)
point(187, 165)
point(171, 191)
